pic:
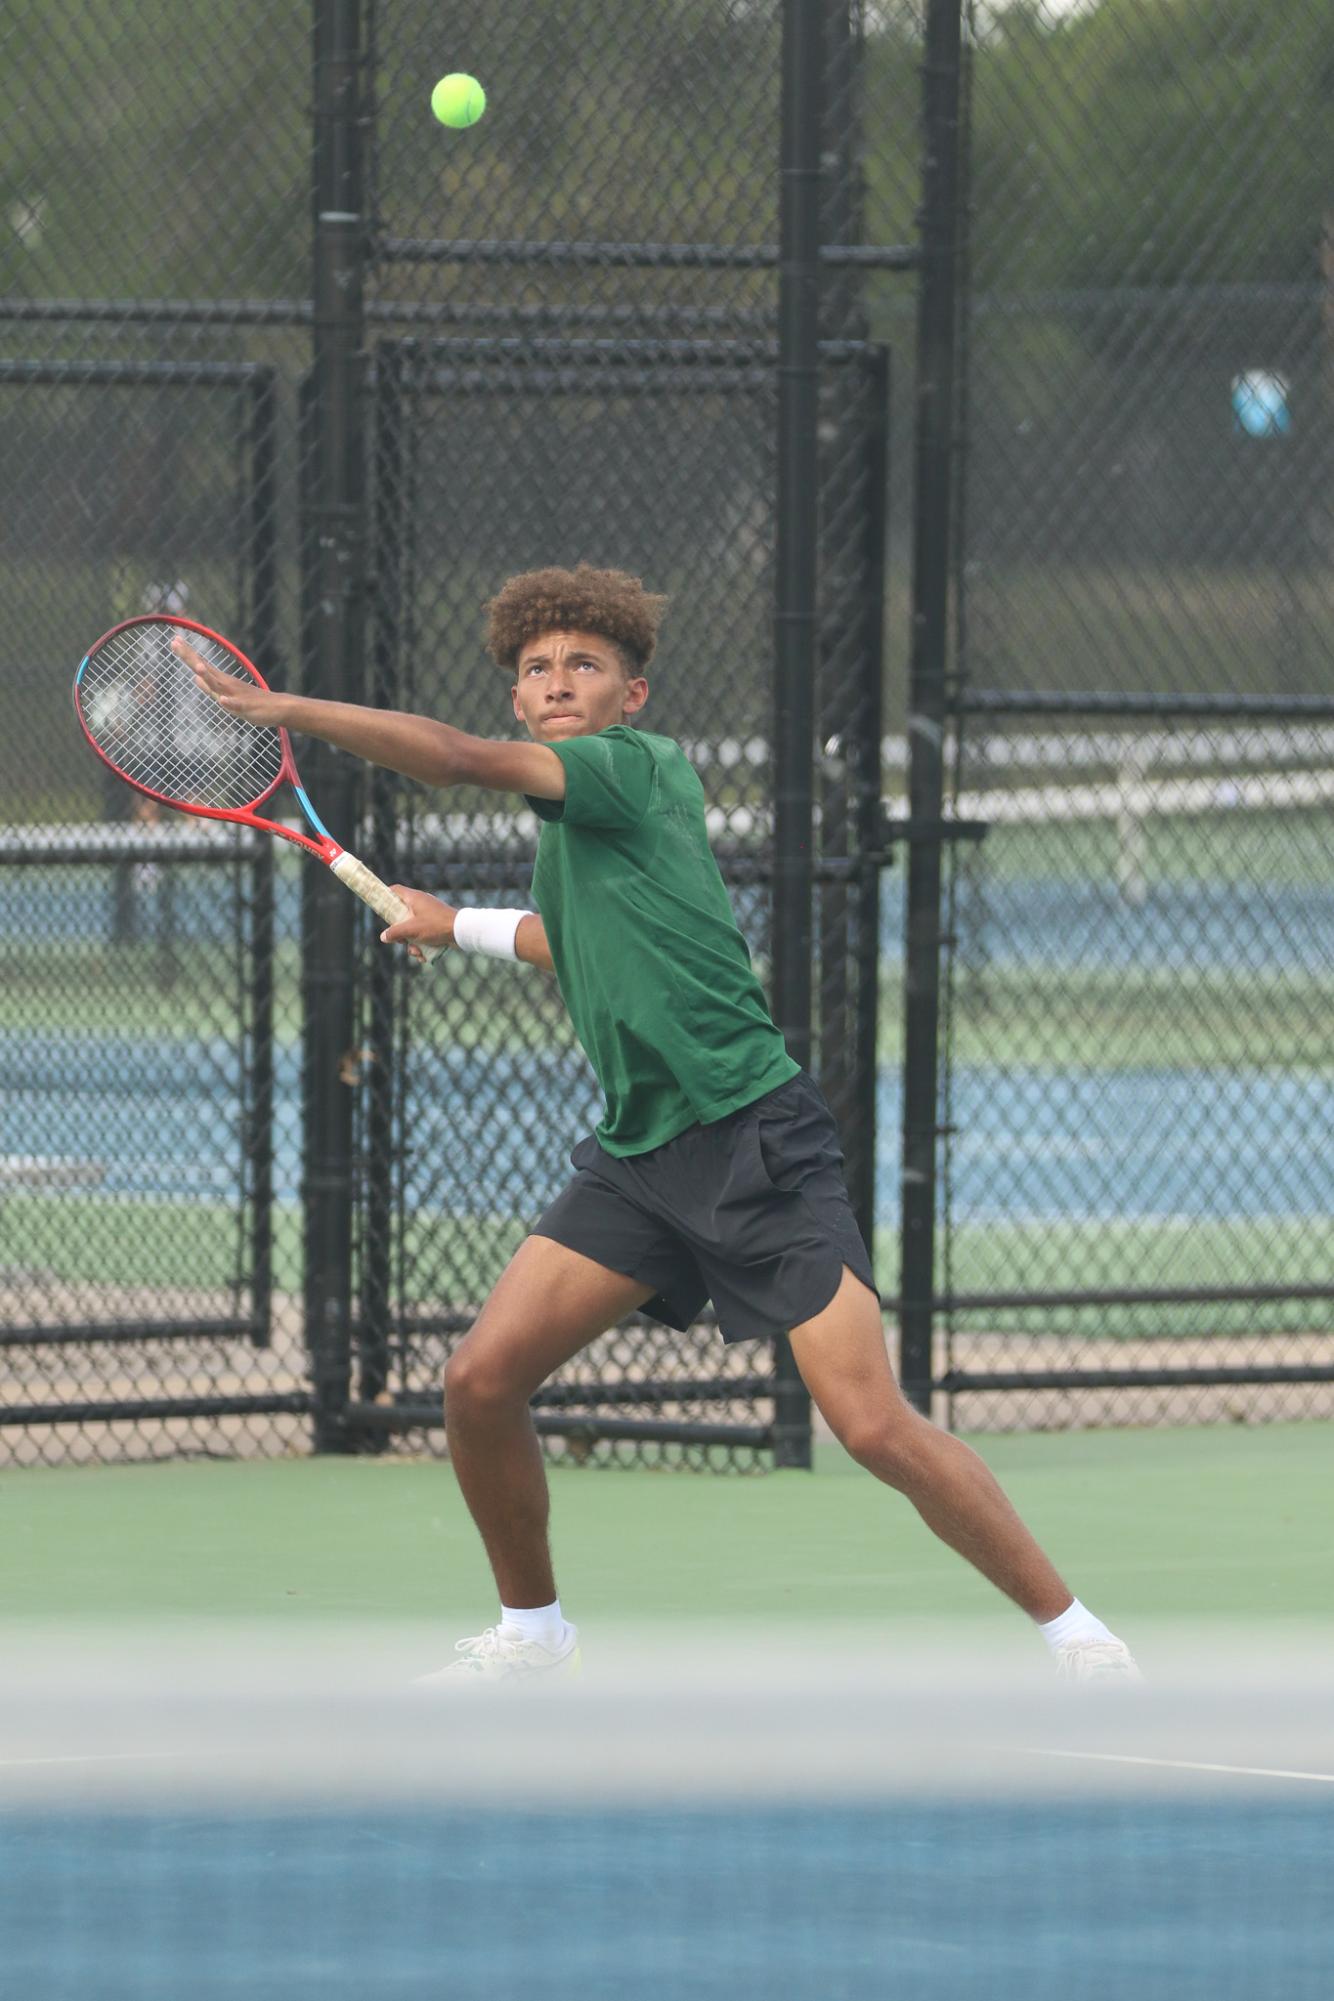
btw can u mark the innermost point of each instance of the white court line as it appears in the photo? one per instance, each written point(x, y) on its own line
point(1187, 1765)
point(79, 1758)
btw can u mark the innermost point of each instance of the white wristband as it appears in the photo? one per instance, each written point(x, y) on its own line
point(489, 931)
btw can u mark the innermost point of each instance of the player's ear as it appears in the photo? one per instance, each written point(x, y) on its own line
point(514, 700)
point(636, 694)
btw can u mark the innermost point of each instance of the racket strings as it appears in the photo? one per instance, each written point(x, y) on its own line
point(145, 713)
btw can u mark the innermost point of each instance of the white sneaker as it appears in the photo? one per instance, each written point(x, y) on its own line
point(1097, 1660)
point(496, 1655)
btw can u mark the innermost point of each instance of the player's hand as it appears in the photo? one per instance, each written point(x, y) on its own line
point(239, 698)
point(431, 922)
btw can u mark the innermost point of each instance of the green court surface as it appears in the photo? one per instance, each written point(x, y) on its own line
point(1161, 1525)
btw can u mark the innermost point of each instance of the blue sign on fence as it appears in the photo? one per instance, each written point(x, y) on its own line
point(1260, 404)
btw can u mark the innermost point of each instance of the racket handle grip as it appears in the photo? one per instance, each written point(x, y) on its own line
point(363, 882)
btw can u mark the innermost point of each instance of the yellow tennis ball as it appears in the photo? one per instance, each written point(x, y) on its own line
point(458, 99)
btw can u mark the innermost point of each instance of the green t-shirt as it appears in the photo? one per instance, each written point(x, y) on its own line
point(651, 965)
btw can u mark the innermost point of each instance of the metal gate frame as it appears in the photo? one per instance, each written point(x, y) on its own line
point(257, 439)
point(854, 845)
point(941, 708)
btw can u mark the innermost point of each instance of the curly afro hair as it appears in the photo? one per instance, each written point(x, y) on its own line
point(610, 603)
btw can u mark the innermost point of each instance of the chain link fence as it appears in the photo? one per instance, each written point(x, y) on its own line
point(679, 452)
point(256, 1176)
point(240, 1207)
point(154, 221)
point(1137, 1194)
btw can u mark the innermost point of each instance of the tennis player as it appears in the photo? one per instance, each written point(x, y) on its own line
point(716, 1172)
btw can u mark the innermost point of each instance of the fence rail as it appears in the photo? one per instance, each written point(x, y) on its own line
point(1009, 689)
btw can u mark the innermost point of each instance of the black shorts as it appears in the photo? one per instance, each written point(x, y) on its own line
point(750, 1211)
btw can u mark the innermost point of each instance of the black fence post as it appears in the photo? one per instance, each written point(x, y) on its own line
point(843, 416)
point(927, 696)
point(866, 811)
point(338, 604)
point(262, 537)
point(382, 1194)
point(796, 633)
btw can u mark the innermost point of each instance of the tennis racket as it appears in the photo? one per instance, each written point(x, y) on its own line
point(141, 710)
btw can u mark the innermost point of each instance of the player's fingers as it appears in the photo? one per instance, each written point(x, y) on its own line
point(211, 680)
point(248, 703)
point(194, 660)
point(389, 938)
point(207, 677)
point(422, 900)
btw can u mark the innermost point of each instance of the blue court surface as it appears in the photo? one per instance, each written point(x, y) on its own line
point(801, 1819)
point(975, 1901)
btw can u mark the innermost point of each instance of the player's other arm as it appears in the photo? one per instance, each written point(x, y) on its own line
point(431, 922)
point(530, 942)
point(416, 746)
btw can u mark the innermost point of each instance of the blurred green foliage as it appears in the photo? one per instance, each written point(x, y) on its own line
point(1153, 142)
point(164, 150)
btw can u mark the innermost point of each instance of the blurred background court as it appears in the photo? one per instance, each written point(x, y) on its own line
point(963, 374)
point(964, 371)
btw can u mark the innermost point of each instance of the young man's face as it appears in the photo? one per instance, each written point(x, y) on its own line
point(574, 684)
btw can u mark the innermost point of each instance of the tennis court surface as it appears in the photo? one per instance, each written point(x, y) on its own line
point(778, 1821)
point(217, 1776)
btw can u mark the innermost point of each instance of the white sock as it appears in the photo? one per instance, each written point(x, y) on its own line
point(543, 1623)
point(1075, 1623)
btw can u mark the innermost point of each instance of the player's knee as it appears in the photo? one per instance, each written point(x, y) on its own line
point(477, 1383)
point(866, 1441)
point(884, 1444)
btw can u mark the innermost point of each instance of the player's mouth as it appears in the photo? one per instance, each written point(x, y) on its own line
point(563, 716)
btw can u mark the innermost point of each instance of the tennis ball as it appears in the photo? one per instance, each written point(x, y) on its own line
point(458, 100)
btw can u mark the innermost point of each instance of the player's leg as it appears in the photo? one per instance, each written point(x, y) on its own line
point(842, 1358)
point(548, 1304)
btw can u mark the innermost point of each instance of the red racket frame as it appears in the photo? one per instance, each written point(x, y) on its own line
point(353, 873)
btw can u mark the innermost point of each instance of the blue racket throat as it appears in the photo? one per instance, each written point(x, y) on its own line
point(310, 813)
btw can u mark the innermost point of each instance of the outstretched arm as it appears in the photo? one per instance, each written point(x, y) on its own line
point(416, 746)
